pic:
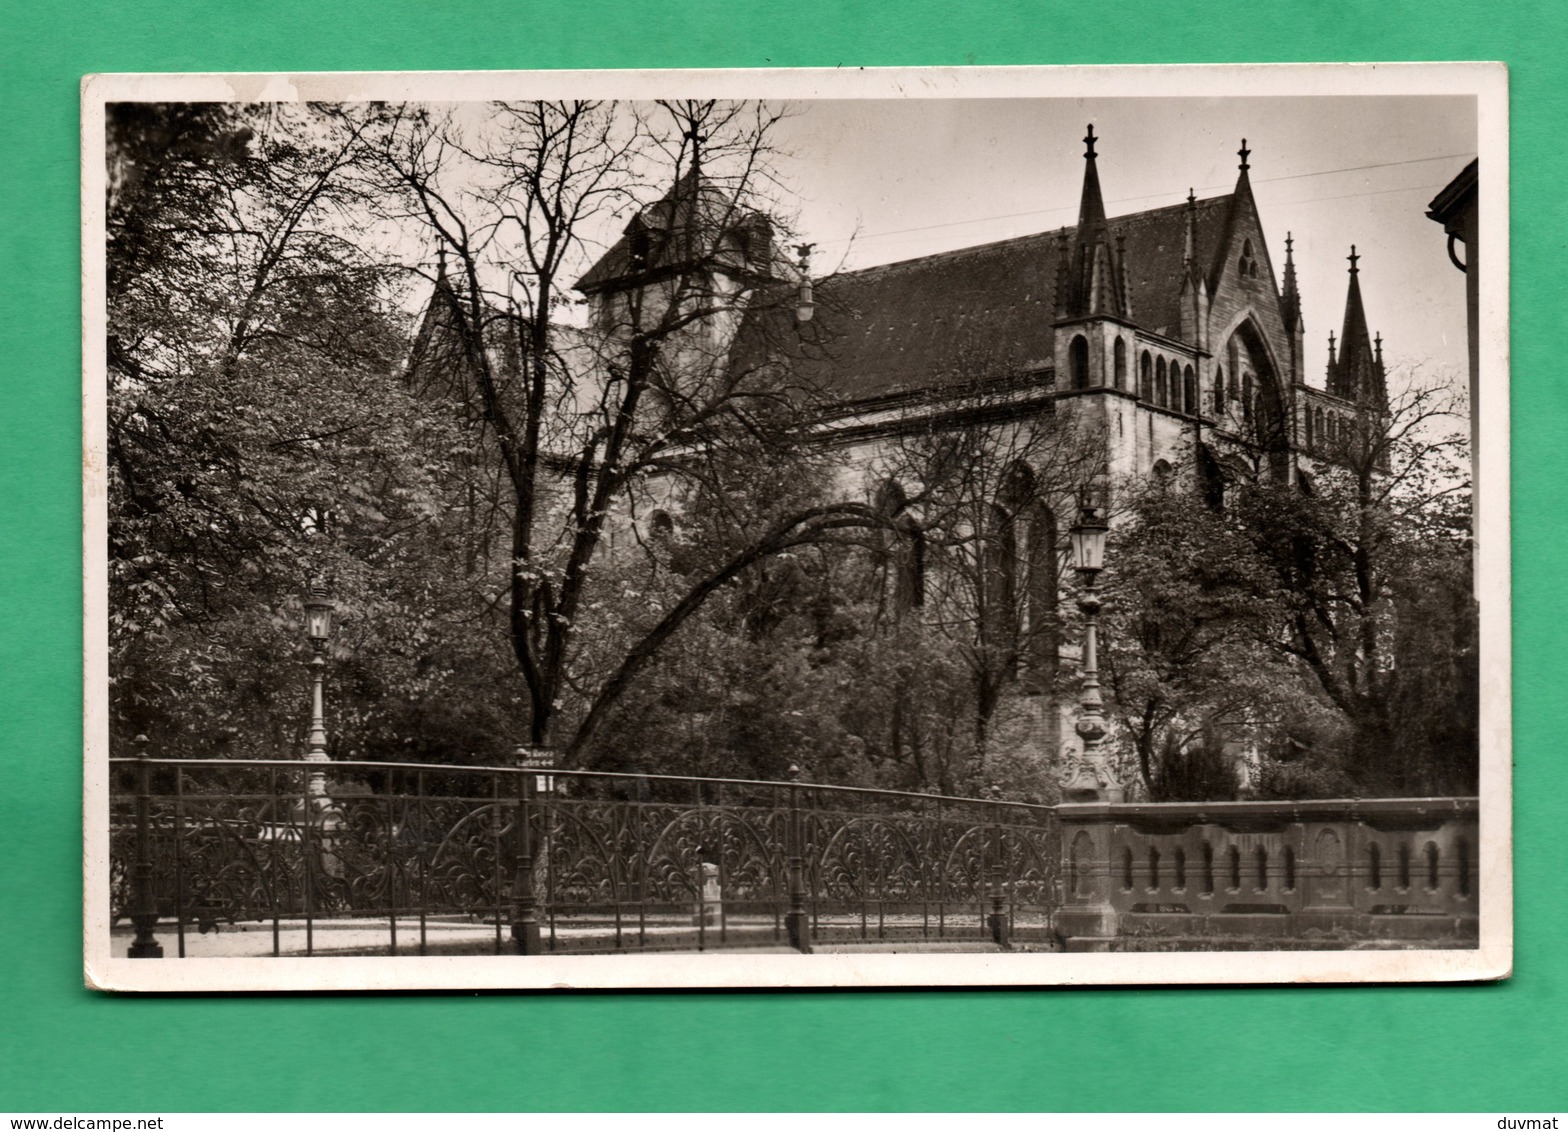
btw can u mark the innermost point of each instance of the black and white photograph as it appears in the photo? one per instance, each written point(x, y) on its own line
point(796, 528)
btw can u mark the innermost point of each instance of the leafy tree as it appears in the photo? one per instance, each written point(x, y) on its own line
point(1324, 625)
point(258, 435)
point(1370, 558)
point(1190, 609)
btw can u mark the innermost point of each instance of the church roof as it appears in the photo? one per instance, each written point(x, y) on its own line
point(685, 226)
point(986, 311)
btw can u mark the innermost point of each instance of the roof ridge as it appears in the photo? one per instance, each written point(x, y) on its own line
point(1066, 229)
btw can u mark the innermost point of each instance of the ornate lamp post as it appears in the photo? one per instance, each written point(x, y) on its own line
point(318, 624)
point(1092, 781)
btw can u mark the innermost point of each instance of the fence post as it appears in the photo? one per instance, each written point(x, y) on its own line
point(796, 921)
point(144, 901)
point(525, 911)
point(998, 916)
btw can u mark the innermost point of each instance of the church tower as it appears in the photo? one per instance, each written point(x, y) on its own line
point(1092, 297)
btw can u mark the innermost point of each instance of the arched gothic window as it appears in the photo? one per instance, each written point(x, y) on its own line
point(1146, 377)
point(1189, 391)
point(905, 553)
point(1247, 268)
point(1021, 581)
point(1219, 390)
point(1307, 424)
point(1119, 355)
point(1078, 362)
point(1161, 394)
point(1246, 398)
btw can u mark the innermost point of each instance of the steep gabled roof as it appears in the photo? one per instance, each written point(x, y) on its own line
point(985, 311)
point(680, 230)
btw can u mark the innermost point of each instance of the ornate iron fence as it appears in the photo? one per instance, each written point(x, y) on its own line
point(501, 859)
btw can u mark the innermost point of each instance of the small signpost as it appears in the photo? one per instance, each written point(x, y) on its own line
point(538, 758)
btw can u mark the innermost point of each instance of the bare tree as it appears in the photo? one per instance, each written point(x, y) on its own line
point(1368, 541)
point(654, 392)
point(983, 482)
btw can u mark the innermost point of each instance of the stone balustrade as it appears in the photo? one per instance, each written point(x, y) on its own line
point(1244, 875)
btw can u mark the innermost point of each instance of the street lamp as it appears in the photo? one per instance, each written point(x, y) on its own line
point(1092, 780)
point(319, 609)
point(805, 304)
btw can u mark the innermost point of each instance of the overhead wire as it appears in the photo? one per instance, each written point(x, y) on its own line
point(1152, 196)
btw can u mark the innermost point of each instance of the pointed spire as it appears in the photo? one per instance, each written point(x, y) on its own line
point(1063, 275)
point(443, 279)
point(1290, 300)
point(1121, 274)
point(1331, 352)
point(1357, 375)
point(1190, 245)
point(1091, 207)
point(1095, 282)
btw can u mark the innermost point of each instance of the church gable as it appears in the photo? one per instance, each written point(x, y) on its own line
point(1242, 286)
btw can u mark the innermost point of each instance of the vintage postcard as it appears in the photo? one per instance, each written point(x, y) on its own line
point(796, 528)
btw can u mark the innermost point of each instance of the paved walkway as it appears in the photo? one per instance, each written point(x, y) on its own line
point(360, 937)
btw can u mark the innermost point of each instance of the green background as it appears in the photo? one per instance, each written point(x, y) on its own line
point(1497, 1047)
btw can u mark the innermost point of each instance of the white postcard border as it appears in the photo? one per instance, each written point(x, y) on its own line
point(1491, 960)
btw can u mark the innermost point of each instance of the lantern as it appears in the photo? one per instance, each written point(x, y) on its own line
point(318, 614)
point(1089, 540)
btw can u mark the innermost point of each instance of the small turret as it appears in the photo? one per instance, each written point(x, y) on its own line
point(1290, 301)
point(1190, 237)
point(1290, 315)
point(1194, 291)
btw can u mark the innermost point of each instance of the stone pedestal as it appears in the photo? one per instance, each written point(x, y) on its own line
point(1087, 920)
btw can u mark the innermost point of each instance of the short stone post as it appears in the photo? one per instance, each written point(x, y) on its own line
point(710, 897)
point(1087, 919)
point(144, 900)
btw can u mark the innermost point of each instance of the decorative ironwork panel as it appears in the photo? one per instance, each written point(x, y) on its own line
point(600, 862)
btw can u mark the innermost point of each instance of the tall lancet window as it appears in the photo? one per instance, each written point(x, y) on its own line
point(903, 553)
point(1020, 582)
point(1119, 362)
point(1078, 362)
